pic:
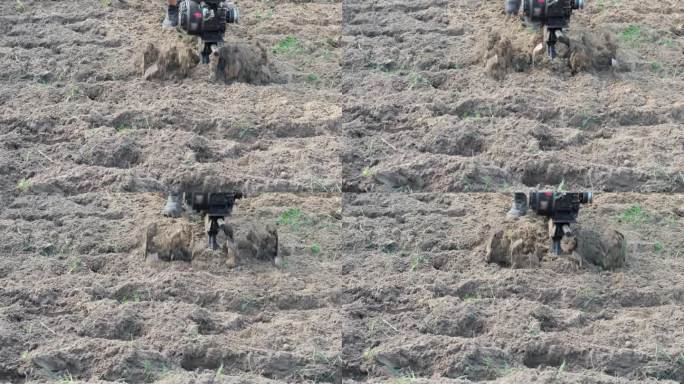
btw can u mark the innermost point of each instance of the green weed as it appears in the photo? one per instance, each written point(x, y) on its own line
point(561, 187)
point(72, 93)
point(634, 215)
point(19, 6)
point(588, 297)
point(312, 78)
point(668, 43)
point(293, 217)
point(589, 121)
point(416, 80)
point(658, 246)
point(417, 262)
point(261, 16)
point(106, 3)
point(23, 185)
point(123, 128)
point(470, 296)
point(471, 116)
point(561, 369)
point(370, 353)
point(66, 378)
point(288, 45)
point(656, 67)
point(75, 265)
point(315, 249)
point(633, 35)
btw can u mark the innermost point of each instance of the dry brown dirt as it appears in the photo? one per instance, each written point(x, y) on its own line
point(423, 112)
point(421, 301)
point(88, 146)
point(102, 112)
point(78, 300)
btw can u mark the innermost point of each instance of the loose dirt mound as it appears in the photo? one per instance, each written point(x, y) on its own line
point(520, 245)
point(500, 56)
point(592, 52)
point(588, 51)
point(245, 63)
point(167, 62)
point(235, 62)
point(523, 243)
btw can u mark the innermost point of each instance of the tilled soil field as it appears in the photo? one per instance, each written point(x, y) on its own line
point(102, 113)
point(79, 302)
point(89, 142)
point(426, 110)
point(77, 116)
point(421, 302)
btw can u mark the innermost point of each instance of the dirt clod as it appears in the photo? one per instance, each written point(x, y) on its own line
point(244, 63)
point(260, 243)
point(168, 241)
point(516, 246)
point(590, 52)
point(497, 55)
point(605, 247)
point(173, 62)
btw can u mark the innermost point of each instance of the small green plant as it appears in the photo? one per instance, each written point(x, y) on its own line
point(75, 265)
point(72, 93)
point(66, 378)
point(367, 172)
point(656, 67)
point(320, 357)
point(246, 132)
point(19, 6)
point(370, 353)
point(668, 43)
point(123, 128)
point(48, 250)
point(23, 185)
point(533, 331)
point(417, 262)
point(25, 356)
point(389, 248)
point(288, 45)
point(219, 371)
point(147, 369)
point(589, 121)
point(562, 187)
point(632, 35)
point(106, 3)
point(312, 78)
point(680, 358)
point(658, 246)
point(470, 296)
point(315, 249)
point(588, 297)
point(416, 80)
point(561, 369)
point(293, 217)
point(634, 215)
point(261, 15)
point(471, 116)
